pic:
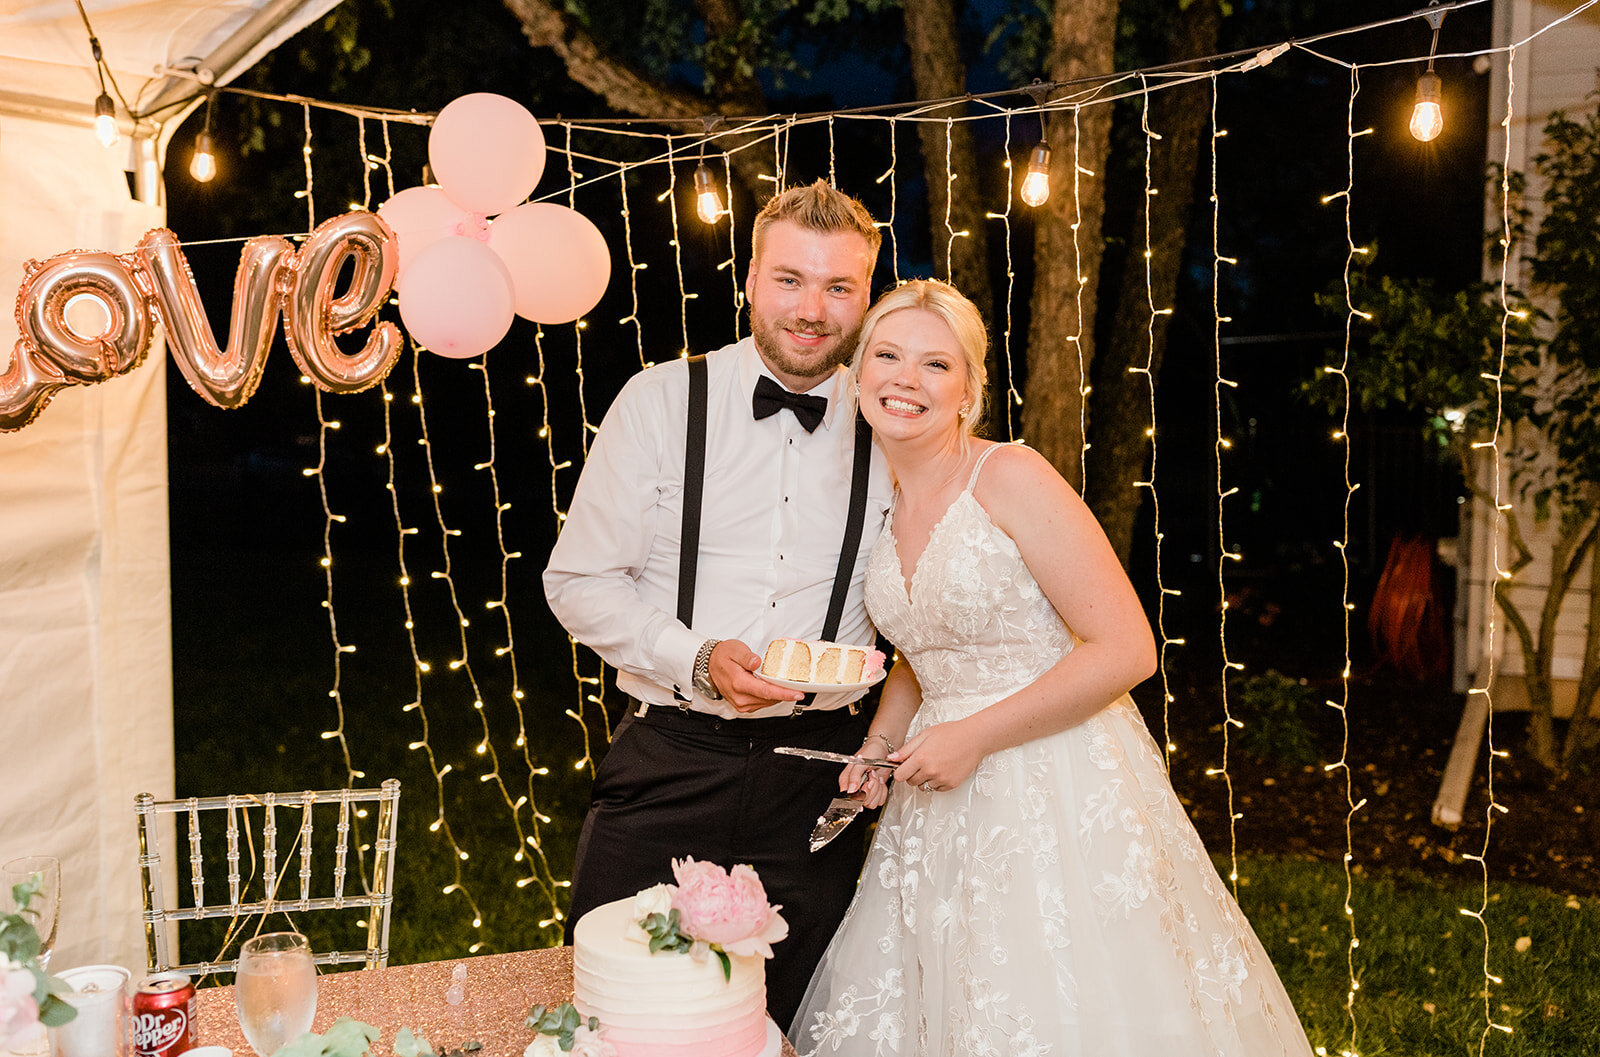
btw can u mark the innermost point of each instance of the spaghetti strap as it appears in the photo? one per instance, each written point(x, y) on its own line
point(973, 480)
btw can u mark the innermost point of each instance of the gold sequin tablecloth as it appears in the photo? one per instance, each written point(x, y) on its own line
point(499, 990)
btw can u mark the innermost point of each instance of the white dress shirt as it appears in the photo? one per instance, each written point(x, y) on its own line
point(772, 520)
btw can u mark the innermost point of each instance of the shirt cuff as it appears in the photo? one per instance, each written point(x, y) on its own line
point(676, 650)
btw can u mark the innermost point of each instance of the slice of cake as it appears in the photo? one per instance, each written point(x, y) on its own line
point(816, 661)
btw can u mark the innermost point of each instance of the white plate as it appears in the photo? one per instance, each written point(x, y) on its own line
point(824, 688)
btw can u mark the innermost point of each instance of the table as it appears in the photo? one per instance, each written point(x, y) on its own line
point(500, 988)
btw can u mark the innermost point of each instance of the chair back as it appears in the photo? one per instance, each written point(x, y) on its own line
point(241, 817)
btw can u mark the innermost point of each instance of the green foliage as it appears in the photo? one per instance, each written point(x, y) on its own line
point(666, 935)
point(561, 1021)
point(1434, 351)
point(1274, 709)
point(345, 1037)
point(21, 946)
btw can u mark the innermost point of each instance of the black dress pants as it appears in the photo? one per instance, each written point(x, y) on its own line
point(677, 784)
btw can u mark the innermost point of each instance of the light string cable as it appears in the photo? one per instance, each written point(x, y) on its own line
point(325, 426)
point(1013, 398)
point(530, 850)
point(329, 518)
point(731, 265)
point(1492, 446)
point(635, 266)
point(950, 177)
point(1222, 444)
point(1341, 437)
point(1148, 370)
point(887, 226)
point(578, 325)
point(670, 197)
point(596, 695)
point(419, 667)
point(1078, 172)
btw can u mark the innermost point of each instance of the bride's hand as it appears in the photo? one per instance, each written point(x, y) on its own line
point(867, 784)
point(938, 759)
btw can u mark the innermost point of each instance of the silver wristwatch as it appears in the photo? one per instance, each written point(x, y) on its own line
point(702, 670)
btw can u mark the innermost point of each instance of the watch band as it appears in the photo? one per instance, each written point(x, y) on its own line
point(702, 670)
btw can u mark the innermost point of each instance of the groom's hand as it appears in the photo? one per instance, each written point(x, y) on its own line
point(733, 670)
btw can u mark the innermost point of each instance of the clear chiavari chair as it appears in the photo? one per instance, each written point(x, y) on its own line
point(269, 892)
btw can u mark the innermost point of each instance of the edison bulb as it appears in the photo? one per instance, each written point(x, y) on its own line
point(1036, 184)
point(1427, 119)
point(203, 164)
point(707, 202)
point(105, 121)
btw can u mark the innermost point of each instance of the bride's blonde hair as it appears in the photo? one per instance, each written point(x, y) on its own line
point(958, 313)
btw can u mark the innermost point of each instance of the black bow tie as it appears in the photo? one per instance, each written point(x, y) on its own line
point(770, 398)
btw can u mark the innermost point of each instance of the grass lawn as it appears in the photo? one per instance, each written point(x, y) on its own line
point(1420, 961)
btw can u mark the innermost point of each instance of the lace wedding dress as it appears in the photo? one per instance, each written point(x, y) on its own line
point(1059, 900)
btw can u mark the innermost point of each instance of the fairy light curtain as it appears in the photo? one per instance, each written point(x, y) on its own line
point(539, 397)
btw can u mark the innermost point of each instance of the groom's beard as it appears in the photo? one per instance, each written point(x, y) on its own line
point(768, 335)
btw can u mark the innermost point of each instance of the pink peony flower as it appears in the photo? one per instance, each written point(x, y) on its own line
point(728, 910)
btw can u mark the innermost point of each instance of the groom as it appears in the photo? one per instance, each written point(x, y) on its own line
point(727, 501)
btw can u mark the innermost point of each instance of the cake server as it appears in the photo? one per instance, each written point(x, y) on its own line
point(833, 757)
point(842, 810)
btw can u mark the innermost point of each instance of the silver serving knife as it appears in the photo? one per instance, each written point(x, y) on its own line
point(834, 757)
point(841, 810)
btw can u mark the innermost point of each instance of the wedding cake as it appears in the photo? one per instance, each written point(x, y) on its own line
point(680, 969)
point(816, 661)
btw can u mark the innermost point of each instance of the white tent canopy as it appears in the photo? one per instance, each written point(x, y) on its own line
point(85, 623)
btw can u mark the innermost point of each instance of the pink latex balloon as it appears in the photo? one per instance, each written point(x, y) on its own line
point(419, 217)
point(456, 300)
point(486, 151)
point(558, 260)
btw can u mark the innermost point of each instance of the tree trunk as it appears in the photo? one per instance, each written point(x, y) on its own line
point(1066, 278)
point(937, 72)
point(1578, 737)
point(546, 24)
point(1120, 446)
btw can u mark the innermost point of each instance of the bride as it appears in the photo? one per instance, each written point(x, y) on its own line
point(1034, 887)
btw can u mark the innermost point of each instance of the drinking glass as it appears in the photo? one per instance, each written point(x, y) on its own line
point(275, 990)
point(46, 902)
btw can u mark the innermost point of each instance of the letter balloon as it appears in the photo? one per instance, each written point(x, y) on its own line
point(224, 377)
point(313, 315)
point(84, 318)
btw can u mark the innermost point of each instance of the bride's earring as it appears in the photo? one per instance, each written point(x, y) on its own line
point(962, 412)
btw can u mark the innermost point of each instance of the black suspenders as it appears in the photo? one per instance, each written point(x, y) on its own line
point(694, 479)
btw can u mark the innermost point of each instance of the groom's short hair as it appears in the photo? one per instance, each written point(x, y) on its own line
point(819, 207)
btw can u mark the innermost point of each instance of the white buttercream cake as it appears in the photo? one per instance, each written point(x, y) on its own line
point(667, 1004)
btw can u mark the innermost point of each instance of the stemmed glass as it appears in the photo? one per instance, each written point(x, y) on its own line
point(275, 990)
point(45, 906)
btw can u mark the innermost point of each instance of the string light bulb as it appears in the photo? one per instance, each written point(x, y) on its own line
point(1036, 182)
point(203, 163)
point(105, 121)
point(1035, 190)
point(1427, 117)
point(707, 201)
